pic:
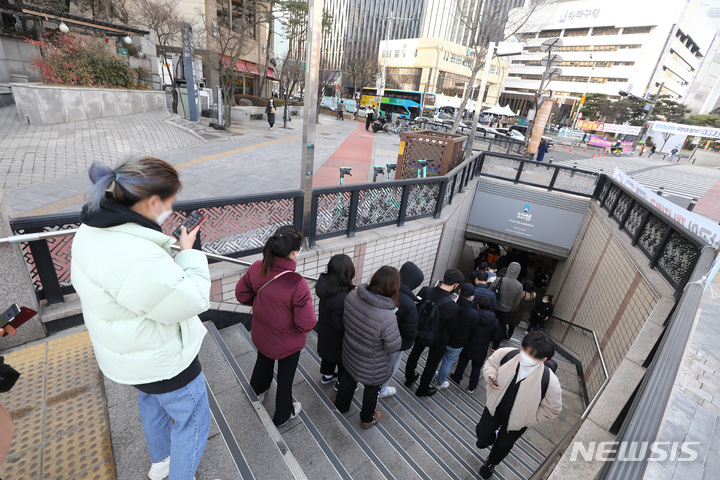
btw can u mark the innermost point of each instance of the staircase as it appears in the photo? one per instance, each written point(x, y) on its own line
point(428, 438)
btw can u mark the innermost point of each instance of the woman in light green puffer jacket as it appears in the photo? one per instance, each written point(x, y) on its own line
point(140, 306)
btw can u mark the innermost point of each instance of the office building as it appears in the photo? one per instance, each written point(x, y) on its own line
point(611, 46)
point(704, 95)
point(437, 66)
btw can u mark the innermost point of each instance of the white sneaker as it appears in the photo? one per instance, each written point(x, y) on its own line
point(297, 408)
point(389, 392)
point(261, 397)
point(160, 470)
point(443, 385)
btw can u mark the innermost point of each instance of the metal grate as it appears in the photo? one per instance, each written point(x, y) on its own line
point(537, 174)
point(634, 220)
point(60, 251)
point(378, 205)
point(422, 199)
point(232, 229)
point(611, 197)
point(652, 235)
point(576, 182)
point(622, 207)
point(502, 167)
point(333, 212)
point(678, 257)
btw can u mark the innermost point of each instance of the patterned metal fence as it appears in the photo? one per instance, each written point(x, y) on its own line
point(537, 174)
point(347, 209)
point(671, 249)
point(239, 226)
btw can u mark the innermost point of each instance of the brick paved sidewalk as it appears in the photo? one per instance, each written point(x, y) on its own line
point(31, 154)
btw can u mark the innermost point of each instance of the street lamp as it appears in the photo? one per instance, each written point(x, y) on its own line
point(127, 40)
point(582, 99)
point(63, 28)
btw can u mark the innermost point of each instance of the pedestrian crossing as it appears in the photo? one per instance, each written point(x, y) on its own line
point(684, 181)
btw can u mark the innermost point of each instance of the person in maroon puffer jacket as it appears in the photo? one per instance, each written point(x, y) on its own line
point(283, 314)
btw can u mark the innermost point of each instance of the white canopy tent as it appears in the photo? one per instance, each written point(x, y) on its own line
point(496, 110)
point(508, 112)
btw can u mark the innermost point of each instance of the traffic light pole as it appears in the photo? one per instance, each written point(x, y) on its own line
point(647, 116)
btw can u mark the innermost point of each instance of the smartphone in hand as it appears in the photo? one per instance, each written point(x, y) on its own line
point(190, 223)
point(8, 315)
point(20, 316)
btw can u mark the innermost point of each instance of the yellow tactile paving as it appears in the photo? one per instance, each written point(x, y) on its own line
point(58, 407)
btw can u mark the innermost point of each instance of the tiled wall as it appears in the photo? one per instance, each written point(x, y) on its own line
point(600, 288)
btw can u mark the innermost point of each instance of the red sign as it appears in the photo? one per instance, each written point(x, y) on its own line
point(579, 115)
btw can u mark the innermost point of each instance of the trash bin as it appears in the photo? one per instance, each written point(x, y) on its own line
point(444, 151)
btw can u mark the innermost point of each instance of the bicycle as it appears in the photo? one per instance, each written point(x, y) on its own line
point(391, 128)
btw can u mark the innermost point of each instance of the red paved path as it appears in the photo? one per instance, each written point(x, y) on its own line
point(709, 204)
point(354, 152)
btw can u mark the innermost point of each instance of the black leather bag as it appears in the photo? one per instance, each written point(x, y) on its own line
point(8, 376)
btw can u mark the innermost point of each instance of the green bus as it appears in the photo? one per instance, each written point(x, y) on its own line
point(405, 103)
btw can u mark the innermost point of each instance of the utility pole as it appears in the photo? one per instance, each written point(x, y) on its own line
point(551, 70)
point(312, 72)
point(649, 113)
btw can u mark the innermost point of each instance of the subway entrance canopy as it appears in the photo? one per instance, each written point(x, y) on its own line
point(525, 218)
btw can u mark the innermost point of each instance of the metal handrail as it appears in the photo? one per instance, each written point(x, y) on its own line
point(33, 237)
point(547, 463)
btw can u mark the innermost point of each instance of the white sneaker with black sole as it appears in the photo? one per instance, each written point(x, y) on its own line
point(297, 408)
point(160, 470)
point(325, 379)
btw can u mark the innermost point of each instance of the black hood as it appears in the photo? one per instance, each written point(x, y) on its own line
point(487, 318)
point(411, 275)
point(325, 289)
point(111, 214)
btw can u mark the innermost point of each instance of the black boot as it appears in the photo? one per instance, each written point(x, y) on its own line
point(409, 380)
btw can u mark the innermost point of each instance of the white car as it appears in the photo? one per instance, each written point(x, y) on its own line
point(362, 111)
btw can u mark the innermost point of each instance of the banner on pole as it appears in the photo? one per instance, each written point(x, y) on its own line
point(607, 127)
point(539, 127)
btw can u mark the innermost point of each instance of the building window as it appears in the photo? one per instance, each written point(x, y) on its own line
point(576, 48)
point(549, 33)
point(636, 30)
point(605, 31)
point(576, 32)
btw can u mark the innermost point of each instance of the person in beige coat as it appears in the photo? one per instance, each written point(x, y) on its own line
point(522, 392)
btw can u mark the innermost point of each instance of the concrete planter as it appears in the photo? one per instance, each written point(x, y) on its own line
point(48, 104)
point(245, 114)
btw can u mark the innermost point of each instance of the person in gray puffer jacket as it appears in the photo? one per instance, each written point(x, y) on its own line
point(509, 292)
point(371, 338)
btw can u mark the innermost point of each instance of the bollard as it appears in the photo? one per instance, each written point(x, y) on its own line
point(661, 191)
point(553, 146)
point(584, 149)
point(551, 160)
point(564, 147)
point(693, 202)
point(570, 149)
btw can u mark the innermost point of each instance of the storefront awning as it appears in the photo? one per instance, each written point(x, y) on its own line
point(246, 67)
point(271, 73)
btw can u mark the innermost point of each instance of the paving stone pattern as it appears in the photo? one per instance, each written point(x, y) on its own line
point(31, 154)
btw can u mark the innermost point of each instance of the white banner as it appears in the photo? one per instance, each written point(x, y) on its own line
point(696, 224)
point(685, 129)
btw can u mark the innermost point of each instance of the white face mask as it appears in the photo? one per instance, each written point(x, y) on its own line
point(545, 300)
point(526, 360)
point(164, 215)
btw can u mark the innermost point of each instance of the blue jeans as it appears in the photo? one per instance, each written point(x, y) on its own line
point(451, 354)
point(397, 358)
point(185, 439)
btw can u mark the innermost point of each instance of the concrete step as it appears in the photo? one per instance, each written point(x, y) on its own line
point(384, 456)
point(245, 431)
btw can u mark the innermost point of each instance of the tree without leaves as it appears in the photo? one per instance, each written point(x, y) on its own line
point(226, 46)
point(493, 24)
point(362, 66)
point(160, 17)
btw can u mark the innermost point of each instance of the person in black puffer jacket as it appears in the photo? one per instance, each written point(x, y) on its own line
point(411, 277)
point(371, 338)
point(331, 288)
point(487, 330)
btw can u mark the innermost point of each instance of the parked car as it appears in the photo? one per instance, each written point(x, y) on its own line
point(511, 134)
point(362, 111)
point(488, 132)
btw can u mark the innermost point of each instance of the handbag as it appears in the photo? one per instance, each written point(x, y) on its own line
point(8, 376)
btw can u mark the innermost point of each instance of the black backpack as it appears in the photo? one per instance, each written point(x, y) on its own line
point(549, 365)
point(429, 318)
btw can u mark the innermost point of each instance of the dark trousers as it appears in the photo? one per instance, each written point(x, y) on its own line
point(345, 393)
point(327, 368)
point(368, 122)
point(475, 372)
point(262, 379)
point(485, 431)
point(511, 330)
point(434, 357)
point(503, 318)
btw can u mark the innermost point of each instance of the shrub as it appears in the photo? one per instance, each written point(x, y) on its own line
point(70, 59)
